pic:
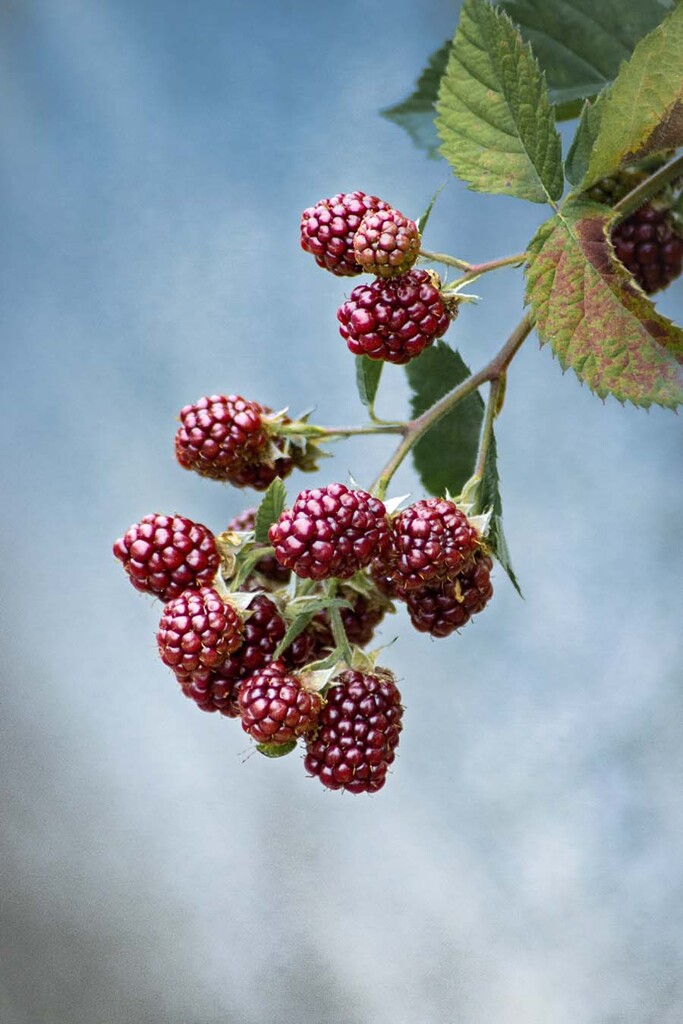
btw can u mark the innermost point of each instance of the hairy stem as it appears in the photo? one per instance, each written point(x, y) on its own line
point(487, 426)
point(477, 269)
point(448, 261)
point(649, 188)
point(315, 432)
point(493, 371)
point(338, 632)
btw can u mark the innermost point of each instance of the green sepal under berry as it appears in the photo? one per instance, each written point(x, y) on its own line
point(593, 315)
point(494, 113)
point(276, 749)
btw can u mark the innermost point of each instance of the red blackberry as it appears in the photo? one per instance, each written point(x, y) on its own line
point(267, 566)
point(327, 230)
point(431, 541)
point(362, 618)
point(276, 707)
point(198, 630)
point(330, 531)
point(164, 555)
point(386, 243)
point(225, 438)
point(212, 689)
point(442, 609)
point(394, 320)
point(649, 246)
point(358, 732)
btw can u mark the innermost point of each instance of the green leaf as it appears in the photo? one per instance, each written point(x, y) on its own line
point(368, 373)
point(593, 315)
point(580, 45)
point(581, 148)
point(489, 498)
point(269, 510)
point(643, 110)
point(444, 458)
point(297, 627)
point(494, 114)
point(416, 113)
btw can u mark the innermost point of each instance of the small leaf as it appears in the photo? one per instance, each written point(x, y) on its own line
point(595, 318)
point(314, 605)
point(269, 510)
point(368, 373)
point(422, 220)
point(297, 627)
point(489, 499)
point(444, 458)
point(276, 749)
point(643, 109)
point(416, 113)
point(494, 114)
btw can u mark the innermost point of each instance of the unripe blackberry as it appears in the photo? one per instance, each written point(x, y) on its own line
point(330, 532)
point(650, 247)
point(198, 629)
point(358, 732)
point(212, 689)
point(327, 230)
point(386, 243)
point(267, 566)
point(224, 437)
point(394, 320)
point(164, 555)
point(431, 541)
point(442, 609)
point(276, 707)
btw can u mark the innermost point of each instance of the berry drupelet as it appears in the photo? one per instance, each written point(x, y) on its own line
point(442, 609)
point(649, 246)
point(430, 541)
point(198, 630)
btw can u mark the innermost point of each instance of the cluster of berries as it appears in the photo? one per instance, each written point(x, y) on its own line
point(225, 646)
point(402, 312)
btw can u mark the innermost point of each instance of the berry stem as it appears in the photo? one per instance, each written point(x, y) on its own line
point(472, 270)
point(338, 632)
point(493, 371)
point(332, 433)
point(477, 269)
point(649, 188)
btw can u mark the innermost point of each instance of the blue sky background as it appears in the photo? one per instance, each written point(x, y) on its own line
point(524, 860)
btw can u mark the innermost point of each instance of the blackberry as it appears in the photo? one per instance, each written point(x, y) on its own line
point(164, 555)
point(330, 532)
point(358, 732)
point(327, 230)
point(442, 609)
point(394, 320)
point(431, 541)
point(276, 707)
point(198, 630)
point(226, 438)
point(386, 243)
point(212, 689)
point(650, 247)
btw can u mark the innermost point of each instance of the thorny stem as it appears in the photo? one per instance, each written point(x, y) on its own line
point(649, 188)
point(493, 371)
